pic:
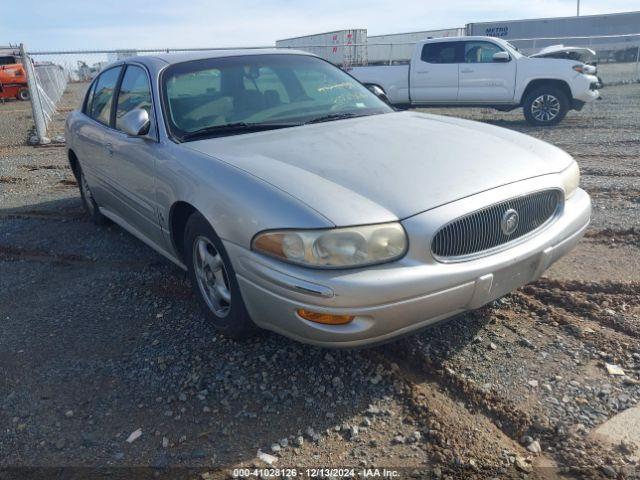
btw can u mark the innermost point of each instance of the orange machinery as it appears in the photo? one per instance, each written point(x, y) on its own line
point(13, 78)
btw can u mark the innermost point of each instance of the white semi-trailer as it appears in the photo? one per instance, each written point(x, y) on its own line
point(342, 47)
point(398, 47)
point(613, 36)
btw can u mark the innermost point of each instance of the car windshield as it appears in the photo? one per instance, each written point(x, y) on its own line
point(231, 95)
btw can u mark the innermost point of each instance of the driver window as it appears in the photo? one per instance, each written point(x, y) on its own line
point(135, 92)
point(480, 52)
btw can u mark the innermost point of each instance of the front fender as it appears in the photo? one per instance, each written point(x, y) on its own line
point(236, 204)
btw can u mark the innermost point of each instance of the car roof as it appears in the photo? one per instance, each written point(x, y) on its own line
point(180, 57)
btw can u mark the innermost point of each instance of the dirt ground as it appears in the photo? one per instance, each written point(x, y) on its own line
point(102, 337)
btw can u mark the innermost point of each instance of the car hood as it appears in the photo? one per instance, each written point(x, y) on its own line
point(579, 54)
point(385, 167)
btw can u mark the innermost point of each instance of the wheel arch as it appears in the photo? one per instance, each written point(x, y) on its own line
point(178, 217)
point(545, 82)
point(74, 163)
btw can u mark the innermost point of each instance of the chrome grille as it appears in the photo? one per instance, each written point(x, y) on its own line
point(481, 232)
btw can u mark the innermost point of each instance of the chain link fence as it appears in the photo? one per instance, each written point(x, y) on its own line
point(58, 80)
point(47, 82)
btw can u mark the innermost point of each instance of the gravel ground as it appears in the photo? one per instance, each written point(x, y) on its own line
point(15, 122)
point(102, 337)
point(619, 73)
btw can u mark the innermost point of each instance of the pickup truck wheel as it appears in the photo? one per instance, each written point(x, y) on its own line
point(90, 205)
point(213, 280)
point(545, 106)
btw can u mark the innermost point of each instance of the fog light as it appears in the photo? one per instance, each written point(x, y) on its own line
point(325, 318)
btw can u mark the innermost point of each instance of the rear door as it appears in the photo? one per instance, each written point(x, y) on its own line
point(434, 75)
point(92, 136)
point(482, 80)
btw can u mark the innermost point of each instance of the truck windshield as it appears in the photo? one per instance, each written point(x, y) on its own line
point(515, 52)
point(261, 91)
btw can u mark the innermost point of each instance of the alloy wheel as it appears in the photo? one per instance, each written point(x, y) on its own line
point(211, 276)
point(545, 108)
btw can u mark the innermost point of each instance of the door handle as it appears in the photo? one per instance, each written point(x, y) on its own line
point(466, 70)
point(109, 148)
point(422, 71)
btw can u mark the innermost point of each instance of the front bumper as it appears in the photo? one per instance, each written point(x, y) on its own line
point(397, 298)
point(586, 88)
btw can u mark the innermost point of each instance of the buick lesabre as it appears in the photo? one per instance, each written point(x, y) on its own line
point(300, 202)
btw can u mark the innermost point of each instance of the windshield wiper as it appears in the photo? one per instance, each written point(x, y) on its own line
point(231, 128)
point(335, 116)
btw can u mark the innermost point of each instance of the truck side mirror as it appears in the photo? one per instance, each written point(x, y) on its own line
point(501, 57)
point(379, 92)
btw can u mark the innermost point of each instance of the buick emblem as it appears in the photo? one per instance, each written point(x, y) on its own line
point(510, 221)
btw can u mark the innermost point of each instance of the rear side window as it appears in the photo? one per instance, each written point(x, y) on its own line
point(440, 52)
point(89, 99)
point(135, 92)
point(103, 95)
point(480, 52)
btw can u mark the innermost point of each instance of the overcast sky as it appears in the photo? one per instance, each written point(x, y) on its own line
point(88, 24)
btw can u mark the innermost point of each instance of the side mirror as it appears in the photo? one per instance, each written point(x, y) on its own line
point(379, 92)
point(136, 122)
point(501, 57)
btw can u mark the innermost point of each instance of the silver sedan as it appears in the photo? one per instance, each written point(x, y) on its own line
point(301, 203)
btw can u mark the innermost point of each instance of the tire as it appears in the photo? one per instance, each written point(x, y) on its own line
point(90, 205)
point(217, 288)
point(23, 94)
point(545, 106)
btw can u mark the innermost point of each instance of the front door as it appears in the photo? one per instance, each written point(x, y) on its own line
point(133, 158)
point(434, 76)
point(483, 80)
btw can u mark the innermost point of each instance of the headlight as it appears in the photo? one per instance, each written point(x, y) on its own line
point(570, 179)
point(336, 247)
point(586, 69)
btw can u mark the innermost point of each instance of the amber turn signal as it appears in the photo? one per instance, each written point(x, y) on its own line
point(325, 318)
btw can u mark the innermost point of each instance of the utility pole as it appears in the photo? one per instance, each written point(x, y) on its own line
point(578, 11)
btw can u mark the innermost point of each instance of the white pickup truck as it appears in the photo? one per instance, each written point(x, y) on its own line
point(488, 72)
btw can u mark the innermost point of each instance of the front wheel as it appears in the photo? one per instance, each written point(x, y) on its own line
point(213, 280)
point(545, 106)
